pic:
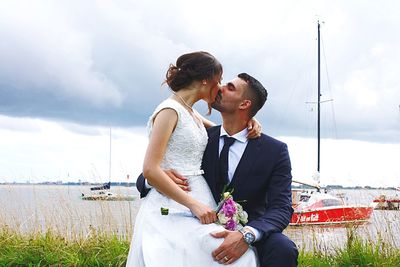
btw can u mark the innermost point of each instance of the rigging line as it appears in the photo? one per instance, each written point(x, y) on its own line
point(283, 116)
point(95, 174)
point(285, 109)
point(330, 89)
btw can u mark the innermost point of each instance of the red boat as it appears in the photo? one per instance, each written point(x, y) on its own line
point(315, 208)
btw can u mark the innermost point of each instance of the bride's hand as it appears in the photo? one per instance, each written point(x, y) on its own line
point(205, 214)
point(254, 128)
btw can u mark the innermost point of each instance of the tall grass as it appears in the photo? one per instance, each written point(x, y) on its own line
point(357, 252)
point(49, 249)
point(59, 229)
point(36, 208)
point(52, 226)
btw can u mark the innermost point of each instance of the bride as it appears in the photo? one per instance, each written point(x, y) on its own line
point(177, 140)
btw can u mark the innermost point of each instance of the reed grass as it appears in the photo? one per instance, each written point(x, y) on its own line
point(49, 249)
point(357, 252)
point(63, 212)
point(65, 231)
point(100, 249)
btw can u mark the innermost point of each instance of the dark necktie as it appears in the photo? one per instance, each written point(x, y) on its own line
point(223, 161)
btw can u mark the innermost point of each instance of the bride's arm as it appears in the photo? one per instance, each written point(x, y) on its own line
point(163, 126)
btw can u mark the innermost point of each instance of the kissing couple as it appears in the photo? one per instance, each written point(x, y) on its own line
point(188, 163)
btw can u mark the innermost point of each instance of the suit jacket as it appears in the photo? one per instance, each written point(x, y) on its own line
point(262, 179)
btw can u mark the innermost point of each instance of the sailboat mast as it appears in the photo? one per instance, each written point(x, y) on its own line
point(319, 102)
point(109, 167)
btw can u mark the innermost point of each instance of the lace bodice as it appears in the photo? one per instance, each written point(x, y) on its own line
point(187, 143)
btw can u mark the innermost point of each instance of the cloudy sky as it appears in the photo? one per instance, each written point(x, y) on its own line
point(70, 70)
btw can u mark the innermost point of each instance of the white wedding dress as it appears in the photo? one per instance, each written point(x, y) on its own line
point(179, 240)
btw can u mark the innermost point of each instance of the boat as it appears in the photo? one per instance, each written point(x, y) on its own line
point(103, 192)
point(316, 206)
point(384, 202)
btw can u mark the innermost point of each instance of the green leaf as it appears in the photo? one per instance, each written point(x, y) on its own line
point(164, 211)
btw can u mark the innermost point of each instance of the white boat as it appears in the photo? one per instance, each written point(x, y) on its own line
point(103, 192)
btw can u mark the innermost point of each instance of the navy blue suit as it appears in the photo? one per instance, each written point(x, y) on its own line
point(263, 179)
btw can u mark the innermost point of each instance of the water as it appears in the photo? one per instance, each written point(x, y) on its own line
point(30, 208)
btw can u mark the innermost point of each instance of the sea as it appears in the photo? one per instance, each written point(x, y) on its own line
point(38, 208)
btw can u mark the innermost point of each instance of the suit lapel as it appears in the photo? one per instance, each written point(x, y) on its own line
point(210, 159)
point(213, 150)
point(246, 161)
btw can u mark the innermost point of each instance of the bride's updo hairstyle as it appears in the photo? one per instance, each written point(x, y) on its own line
point(196, 66)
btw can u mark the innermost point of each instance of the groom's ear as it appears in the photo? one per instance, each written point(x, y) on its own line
point(246, 104)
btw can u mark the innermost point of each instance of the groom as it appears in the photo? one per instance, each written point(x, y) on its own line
point(258, 170)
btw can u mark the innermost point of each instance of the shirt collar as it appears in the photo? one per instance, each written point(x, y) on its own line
point(240, 136)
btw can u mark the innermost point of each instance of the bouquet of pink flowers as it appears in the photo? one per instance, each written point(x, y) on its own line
point(230, 213)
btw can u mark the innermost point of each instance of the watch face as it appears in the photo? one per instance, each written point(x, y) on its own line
point(249, 237)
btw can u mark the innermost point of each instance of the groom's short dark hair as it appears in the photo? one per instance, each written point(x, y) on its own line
point(257, 93)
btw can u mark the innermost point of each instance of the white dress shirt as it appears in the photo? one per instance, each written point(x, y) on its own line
point(235, 153)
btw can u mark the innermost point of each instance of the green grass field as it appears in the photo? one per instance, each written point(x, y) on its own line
point(49, 249)
point(54, 250)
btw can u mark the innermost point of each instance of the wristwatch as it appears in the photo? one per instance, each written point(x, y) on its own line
point(248, 235)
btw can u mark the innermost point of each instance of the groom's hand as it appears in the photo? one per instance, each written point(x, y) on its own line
point(231, 249)
point(178, 179)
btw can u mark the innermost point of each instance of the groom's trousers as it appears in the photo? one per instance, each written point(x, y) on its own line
point(277, 251)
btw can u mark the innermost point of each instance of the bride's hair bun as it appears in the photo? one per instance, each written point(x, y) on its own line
point(172, 73)
point(196, 66)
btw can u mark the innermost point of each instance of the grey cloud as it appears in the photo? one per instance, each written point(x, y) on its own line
point(103, 63)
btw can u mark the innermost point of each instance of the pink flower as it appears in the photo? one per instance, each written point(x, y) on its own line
point(231, 225)
point(229, 207)
point(230, 213)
